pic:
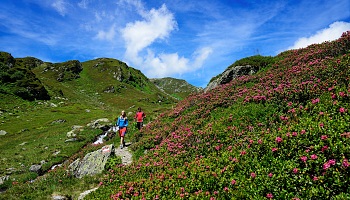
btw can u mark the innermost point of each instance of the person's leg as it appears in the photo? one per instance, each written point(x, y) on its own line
point(121, 142)
point(122, 134)
point(138, 125)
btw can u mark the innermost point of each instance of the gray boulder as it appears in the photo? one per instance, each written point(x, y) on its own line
point(3, 179)
point(36, 169)
point(99, 123)
point(229, 74)
point(2, 132)
point(93, 163)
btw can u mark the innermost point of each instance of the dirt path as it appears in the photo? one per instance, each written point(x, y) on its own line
point(124, 154)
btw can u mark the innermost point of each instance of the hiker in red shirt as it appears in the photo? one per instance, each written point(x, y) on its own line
point(139, 118)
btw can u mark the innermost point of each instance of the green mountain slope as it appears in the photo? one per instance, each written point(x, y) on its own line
point(40, 102)
point(175, 87)
point(281, 133)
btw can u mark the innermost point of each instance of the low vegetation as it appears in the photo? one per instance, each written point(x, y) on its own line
point(282, 133)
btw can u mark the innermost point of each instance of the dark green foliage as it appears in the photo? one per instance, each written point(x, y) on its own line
point(17, 78)
point(7, 59)
point(28, 62)
point(65, 71)
point(257, 61)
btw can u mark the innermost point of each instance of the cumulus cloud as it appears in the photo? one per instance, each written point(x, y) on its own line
point(157, 24)
point(60, 6)
point(107, 35)
point(164, 65)
point(333, 32)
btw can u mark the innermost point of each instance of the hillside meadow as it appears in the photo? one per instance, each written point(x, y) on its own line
point(282, 133)
point(37, 130)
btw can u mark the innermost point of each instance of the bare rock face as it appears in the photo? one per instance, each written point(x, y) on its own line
point(229, 74)
point(93, 163)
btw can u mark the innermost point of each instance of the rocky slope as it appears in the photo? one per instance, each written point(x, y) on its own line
point(176, 87)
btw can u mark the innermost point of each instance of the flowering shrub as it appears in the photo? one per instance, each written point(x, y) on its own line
point(279, 134)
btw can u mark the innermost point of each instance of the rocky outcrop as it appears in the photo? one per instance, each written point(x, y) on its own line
point(36, 168)
point(65, 71)
point(229, 74)
point(99, 123)
point(93, 163)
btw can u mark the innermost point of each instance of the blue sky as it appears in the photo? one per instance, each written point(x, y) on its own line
point(193, 40)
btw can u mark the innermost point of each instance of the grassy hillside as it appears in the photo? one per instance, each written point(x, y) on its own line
point(79, 93)
point(177, 88)
point(282, 133)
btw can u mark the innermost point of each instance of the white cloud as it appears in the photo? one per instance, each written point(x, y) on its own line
point(107, 35)
point(84, 4)
point(200, 56)
point(60, 6)
point(157, 24)
point(164, 65)
point(333, 32)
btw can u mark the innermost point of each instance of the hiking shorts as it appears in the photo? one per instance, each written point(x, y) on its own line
point(122, 131)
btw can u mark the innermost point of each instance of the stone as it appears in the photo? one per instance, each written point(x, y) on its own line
point(82, 195)
point(97, 124)
point(71, 134)
point(23, 143)
point(77, 127)
point(93, 163)
point(230, 74)
point(2, 132)
point(71, 140)
point(59, 197)
point(36, 169)
point(59, 121)
point(3, 179)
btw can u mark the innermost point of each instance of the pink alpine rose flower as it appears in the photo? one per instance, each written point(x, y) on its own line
point(324, 137)
point(233, 182)
point(303, 158)
point(269, 196)
point(324, 148)
point(332, 162)
point(278, 139)
point(326, 166)
point(295, 170)
point(253, 175)
point(346, 164)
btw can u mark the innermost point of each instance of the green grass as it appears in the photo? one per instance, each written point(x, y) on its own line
point(32, 136)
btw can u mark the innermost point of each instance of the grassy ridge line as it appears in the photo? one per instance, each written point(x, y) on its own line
point(279, 134)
